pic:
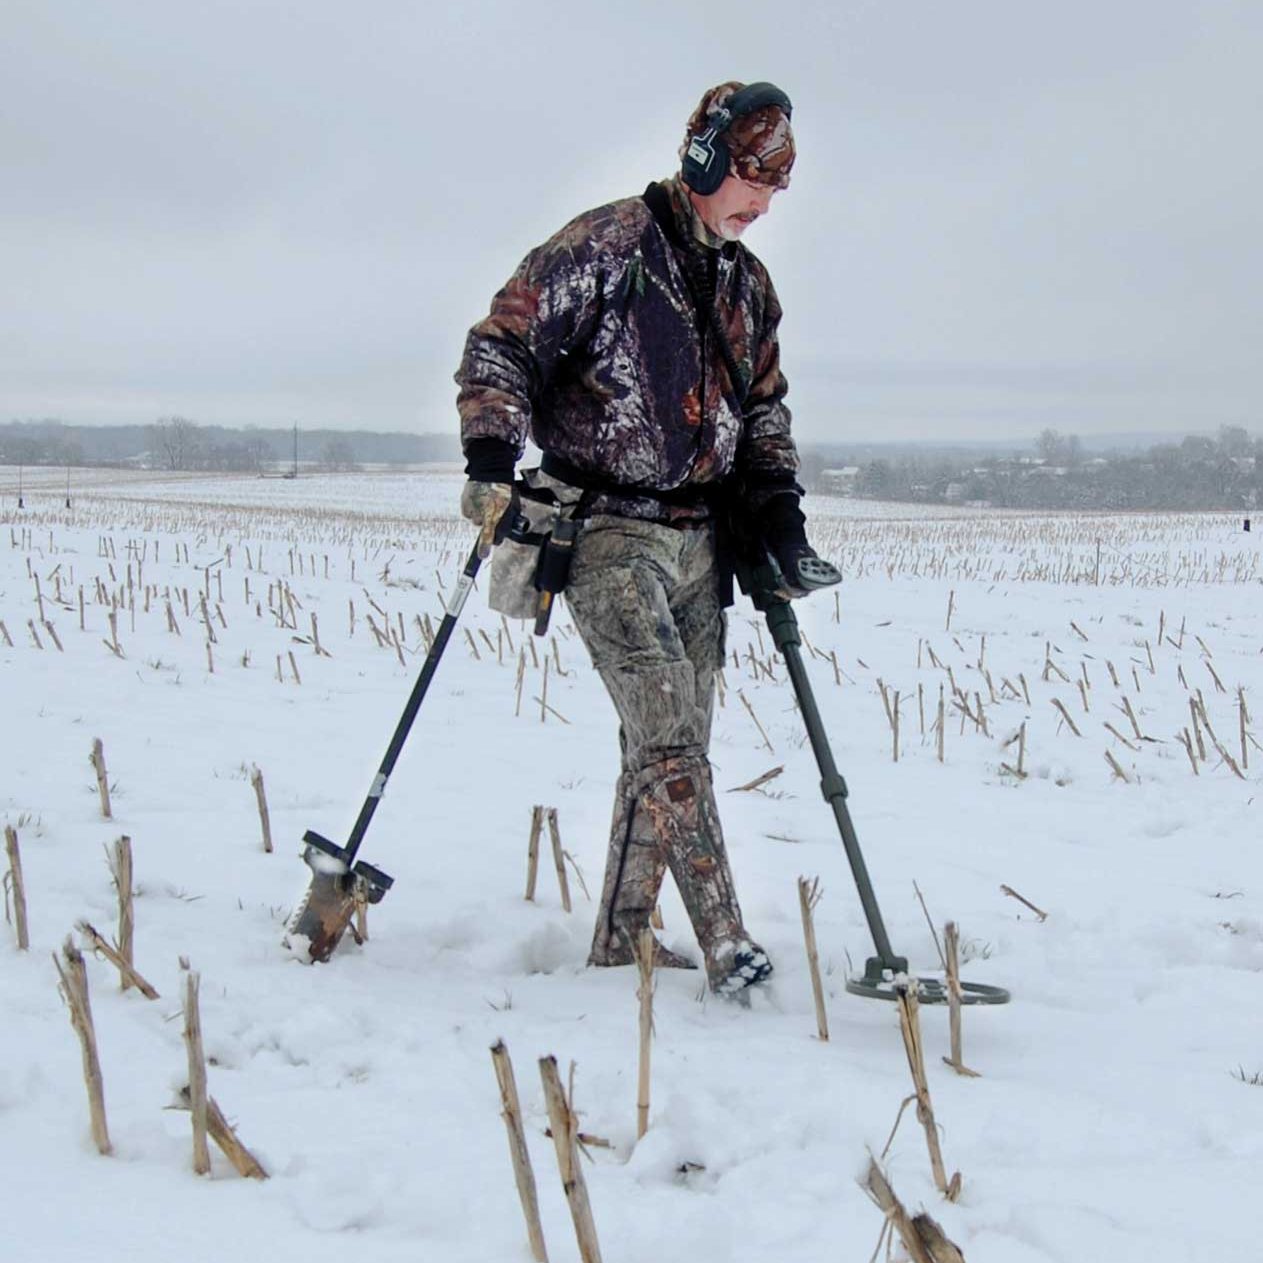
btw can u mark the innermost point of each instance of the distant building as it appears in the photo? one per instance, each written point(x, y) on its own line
point(839, 482)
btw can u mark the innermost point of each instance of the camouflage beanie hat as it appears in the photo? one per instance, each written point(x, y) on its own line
point(761, 143)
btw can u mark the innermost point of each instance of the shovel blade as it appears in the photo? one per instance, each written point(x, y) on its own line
point(317, 926)
point(336, 891)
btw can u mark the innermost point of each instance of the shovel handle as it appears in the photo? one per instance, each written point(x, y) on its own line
point(455, 603)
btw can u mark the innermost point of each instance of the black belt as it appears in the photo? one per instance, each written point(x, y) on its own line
point(691, 495)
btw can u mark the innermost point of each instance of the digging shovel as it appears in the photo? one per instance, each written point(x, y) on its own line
point(339, 882)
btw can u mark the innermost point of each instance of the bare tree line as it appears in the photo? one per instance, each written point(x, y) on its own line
point(1196, 473)
point(179, 443)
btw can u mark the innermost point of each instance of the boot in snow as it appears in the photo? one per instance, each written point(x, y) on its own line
point(730, 972)
point(679, 803)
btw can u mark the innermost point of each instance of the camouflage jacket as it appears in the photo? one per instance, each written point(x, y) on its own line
point(596, 349)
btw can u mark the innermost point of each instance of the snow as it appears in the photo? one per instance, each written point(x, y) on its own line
point(1113, 1119)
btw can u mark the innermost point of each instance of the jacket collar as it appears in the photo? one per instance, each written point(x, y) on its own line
point(688, 222)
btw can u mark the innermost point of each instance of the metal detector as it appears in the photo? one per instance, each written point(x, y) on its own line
point(885, 973)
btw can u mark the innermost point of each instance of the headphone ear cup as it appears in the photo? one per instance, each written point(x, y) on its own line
point(705, 179)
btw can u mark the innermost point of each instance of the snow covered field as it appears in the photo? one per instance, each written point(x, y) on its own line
point(1118, 1116)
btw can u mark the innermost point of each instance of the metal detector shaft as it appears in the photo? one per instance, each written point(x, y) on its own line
point(783, 625)
point(463, 588)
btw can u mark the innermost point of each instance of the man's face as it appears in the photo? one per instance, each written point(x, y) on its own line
point(734, 206)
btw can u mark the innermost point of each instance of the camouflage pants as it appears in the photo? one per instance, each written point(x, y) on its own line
point(645, 599)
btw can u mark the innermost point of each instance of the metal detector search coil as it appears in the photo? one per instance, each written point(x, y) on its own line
point(878, 983)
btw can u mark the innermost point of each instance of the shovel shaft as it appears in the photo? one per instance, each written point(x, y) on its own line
point(463, 588)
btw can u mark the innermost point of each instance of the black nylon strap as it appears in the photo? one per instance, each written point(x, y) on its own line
point(693, 266)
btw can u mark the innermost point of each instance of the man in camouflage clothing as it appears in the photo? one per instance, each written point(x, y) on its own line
point(638, 348)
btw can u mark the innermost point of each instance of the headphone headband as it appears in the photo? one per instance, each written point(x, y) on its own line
point(754, 96)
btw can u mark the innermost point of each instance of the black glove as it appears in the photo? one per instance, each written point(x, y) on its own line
point(784, 530)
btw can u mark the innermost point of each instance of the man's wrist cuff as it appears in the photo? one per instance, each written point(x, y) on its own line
point(489, 460)
point(783, 521)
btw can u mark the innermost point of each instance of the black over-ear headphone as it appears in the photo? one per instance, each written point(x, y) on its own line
point(706, 157)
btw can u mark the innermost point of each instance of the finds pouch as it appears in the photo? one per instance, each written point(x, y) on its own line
point(516, 562)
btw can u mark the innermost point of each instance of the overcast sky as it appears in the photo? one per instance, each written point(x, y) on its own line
point(1005, 215)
